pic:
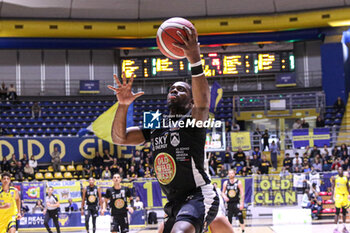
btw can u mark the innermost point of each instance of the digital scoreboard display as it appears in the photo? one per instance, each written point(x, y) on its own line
point(214, 65)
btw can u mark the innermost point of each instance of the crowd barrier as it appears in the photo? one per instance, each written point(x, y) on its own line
point(75, 221)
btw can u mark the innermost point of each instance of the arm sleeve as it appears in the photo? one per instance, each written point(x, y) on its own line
point(108, 194)
point(128, 192)
point(146, 134)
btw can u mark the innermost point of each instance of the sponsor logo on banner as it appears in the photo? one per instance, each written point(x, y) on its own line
point(274, 190)
point(175, 139)
point(33, 192)
point(63, 219)
point(165, 168)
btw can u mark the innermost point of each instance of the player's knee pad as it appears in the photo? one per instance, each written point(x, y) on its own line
point(337, 211)
point(344, 211)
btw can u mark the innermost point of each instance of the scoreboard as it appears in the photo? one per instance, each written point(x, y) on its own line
point(214, 65)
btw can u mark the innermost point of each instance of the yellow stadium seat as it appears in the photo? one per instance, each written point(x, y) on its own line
point(58, 175)
point(39, 176)
point(63, 168)
point(50, 169)
point(70, 168)
point(68, 175)
point(80, 167)
point(48, 175)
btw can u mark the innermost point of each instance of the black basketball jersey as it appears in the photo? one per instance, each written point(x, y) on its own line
point(118, 199)
point(232, 191)
point(91, 196)
point(179, 159)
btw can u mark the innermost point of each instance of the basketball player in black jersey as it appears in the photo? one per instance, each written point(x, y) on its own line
point(233, 194)
point(178, 151)
point(92, 198)
point(117, 197)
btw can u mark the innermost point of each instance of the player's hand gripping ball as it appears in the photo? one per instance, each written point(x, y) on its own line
point(167, 35)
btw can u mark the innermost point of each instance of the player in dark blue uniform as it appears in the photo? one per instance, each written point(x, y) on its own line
point(117, 197)
point(92, 198)
point(179, 159)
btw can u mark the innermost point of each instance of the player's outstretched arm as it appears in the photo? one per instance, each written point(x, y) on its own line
point(120, 134)
point(200, 87)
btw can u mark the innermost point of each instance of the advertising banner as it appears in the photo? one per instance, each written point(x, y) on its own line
point(274, 190)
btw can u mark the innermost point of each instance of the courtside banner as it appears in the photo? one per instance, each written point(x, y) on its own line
point(65, 190)
point(33, 191)
point(37, 220)
point(311, 137)
point(274, 190)
point(150, 193)
point(240, 140)
point(71, 148)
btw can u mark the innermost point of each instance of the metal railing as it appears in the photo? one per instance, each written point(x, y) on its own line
point(293, 100)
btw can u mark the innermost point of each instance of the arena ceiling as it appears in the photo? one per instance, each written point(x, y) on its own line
point(155, 9)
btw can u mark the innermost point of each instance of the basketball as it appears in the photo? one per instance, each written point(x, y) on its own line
point(167, 35)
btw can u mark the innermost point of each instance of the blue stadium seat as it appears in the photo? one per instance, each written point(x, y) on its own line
point(65, 131)
point(56, 131)
point(39, 131)
point(339, 115)
point(48, 131)
point(337, 121)
point(329, 116)
point(328, 122)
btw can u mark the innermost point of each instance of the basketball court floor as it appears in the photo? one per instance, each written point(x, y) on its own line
point(255, 226)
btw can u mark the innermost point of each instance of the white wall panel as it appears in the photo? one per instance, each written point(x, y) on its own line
point(224, 7)
point(105, 9)
point(103, 69)
point(297, 5)
point(30, 61)
point(54, 72)
point(151, 9)
point(8, 67)
point(79, 61)
point(35, 8)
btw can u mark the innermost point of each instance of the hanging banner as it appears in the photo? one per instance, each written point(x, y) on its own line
point(240, 140)
point(150, 193)
point(311, 137)
point(274, 190)
point(65, 190)
point(33, 191)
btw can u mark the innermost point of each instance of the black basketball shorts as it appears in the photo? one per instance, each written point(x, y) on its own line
point(200, 208)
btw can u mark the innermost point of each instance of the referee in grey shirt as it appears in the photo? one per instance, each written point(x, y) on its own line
point(51, 210)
